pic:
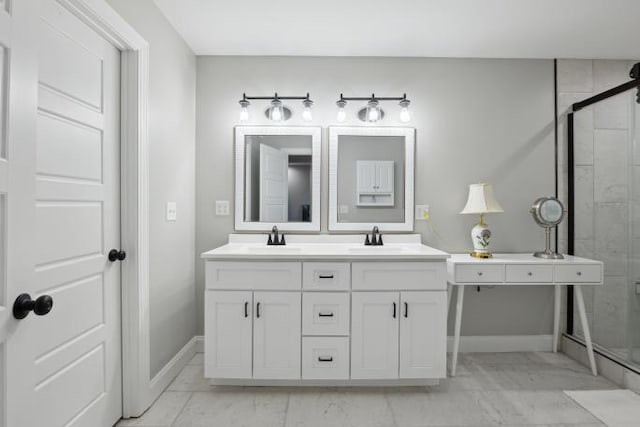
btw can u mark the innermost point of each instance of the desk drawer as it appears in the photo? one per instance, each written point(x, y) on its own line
point(238, 275)
point(579, 273)
point(529, 273)
point(325, 358)
point(326, 276)
point(325, 313)
point(479, 273)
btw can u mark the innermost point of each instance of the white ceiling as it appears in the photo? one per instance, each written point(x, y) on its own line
point(431, 28)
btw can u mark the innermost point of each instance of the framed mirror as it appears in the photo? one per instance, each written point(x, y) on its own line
point(371, 172)
point(277, 178)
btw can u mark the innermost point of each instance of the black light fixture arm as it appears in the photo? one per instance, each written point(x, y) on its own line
point(275, 96)
point(373, 97)
point(634, 74)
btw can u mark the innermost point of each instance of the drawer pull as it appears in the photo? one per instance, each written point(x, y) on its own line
point(406, 309)
point(529, 273)
point(394, 310)
point(246, 309)
point(325, 314)
point(258, 310)
point(579, 273)
point(326, 276)
point(479, 273)
point(325, 359)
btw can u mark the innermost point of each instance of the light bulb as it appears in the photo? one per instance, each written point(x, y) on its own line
point(373, 115)
point(276, 115)
point(342, 115)
point(244, 114)
point(405, 115)
point(276, 112)
point(244, 110)
point(373, 111)
point(307, 116)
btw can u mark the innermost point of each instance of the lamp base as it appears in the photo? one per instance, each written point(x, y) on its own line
point(476, 254)
point(548, 255)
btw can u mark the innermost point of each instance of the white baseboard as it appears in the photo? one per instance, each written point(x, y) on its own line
point(199, 343)
point(502, 343)
point(163, 378)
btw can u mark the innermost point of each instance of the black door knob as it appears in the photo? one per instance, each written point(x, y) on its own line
point(116, 255)
point(24, 304)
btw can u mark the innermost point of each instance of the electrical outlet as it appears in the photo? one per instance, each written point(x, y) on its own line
point(172, 213)
point(222, 207)
point(422, 212)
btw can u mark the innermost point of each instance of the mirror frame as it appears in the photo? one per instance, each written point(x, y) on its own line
point(316, 155)
point(409, 139)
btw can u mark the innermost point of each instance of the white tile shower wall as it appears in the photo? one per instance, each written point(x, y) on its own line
point(602, 157)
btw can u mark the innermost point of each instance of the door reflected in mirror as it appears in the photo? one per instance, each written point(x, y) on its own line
point(277, 184)
point(277, 181)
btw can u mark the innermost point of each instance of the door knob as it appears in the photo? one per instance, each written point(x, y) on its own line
point(116, 255)
point(24, 304)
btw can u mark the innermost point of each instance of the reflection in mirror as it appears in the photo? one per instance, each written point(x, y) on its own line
point(277, 178)
point(277, 185)
point(371, 178)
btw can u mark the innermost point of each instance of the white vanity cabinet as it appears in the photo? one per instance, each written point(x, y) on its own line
point(375, 183)
point(327, 322)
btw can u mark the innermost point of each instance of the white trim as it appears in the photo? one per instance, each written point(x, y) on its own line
point(316, 147)
point(137, 394)
point(199, 343)
point(409, 135)
point(163, 378)
point(502, 343)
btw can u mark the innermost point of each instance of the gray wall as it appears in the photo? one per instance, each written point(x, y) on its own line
point(172, 178)
point(354, 148)
point(476, 120)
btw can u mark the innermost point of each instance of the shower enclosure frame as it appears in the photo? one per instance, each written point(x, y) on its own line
point(632, 84)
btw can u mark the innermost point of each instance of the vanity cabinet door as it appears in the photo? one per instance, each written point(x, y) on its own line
point(276, 337)
point(227, 329)
point(374, 335)
point(423, 334)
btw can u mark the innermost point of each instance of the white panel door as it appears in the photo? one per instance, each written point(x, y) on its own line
point(77, 222)
point(227, 329)
point(276, 335)
point(366, 180)
point(374, 335)
point(423, 335)
point(18, 99)
point(274, 185)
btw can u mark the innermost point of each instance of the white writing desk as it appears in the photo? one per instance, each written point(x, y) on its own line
point(519, 270)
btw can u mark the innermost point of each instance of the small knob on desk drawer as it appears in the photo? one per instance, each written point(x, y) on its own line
point(529, 274)
point(579, 273)
point(479, 273)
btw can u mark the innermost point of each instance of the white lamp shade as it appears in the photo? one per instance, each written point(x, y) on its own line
point(481, 200)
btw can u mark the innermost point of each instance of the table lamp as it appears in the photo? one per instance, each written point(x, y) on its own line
point(481, 201)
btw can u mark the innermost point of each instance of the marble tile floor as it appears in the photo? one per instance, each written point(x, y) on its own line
point(506, 389)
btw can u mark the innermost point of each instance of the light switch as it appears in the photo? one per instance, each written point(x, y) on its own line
point(172, 213)
point(222, 207)
point(344, 209)
point(422, 212)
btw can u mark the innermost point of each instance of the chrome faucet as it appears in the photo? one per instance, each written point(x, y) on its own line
point(274, 239)
point(374, 241)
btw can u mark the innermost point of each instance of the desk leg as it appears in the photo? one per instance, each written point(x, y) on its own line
point(456, 338)
point(585, 328)
point(556, 316)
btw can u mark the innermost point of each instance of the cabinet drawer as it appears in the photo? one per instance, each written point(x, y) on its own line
point(523, 273)
point(398, 275)
point(325, 313)
point(326, 276)
point(478, 273)
point(579, 273)
point(325, 358)
point(238, 275)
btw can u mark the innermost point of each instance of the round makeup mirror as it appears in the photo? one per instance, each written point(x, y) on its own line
point(547, 212)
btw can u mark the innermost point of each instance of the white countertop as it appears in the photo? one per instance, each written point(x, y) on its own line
point(396, 247)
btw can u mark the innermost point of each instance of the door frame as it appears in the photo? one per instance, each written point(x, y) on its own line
point(138, 389)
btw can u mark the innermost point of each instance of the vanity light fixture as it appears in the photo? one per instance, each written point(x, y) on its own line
point(277, 111)
point(373, 113)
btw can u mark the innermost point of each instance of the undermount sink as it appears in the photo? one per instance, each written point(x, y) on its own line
point(374, 249)
point(274, 248)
